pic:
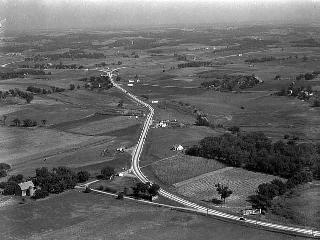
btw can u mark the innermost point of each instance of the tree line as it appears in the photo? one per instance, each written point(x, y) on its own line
point(255, 152)
point(21, 73)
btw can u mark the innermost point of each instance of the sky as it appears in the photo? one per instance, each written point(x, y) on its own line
point(24, 15)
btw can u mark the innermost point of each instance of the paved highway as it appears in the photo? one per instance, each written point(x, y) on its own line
point(137, 171)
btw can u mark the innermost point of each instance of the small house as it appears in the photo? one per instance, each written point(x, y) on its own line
point(131, 81)
point(177, 148)
point(27, 188)
point(154, 101)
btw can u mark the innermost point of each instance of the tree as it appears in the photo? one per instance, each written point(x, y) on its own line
point(107, 172)
point(27, 123)
point(29, 97)
point(3, 173)
point(120, 104)
point(43, 121)
point(202, 120)
point(83, 176)
point(72, 87)
point(16, 122)
point(40, 193)
point(223, 191)
point(11, 188)
point(153, 189)
point(4, 117)
point(16, 178)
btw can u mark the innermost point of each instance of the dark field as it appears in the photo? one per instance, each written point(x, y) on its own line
point(75, 215)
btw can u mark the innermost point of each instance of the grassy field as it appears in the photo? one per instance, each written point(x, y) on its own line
point(181, 167)
point(161, 140)
point(75, 215)
point(299, 207)
point(106, 125)
point(243, 183)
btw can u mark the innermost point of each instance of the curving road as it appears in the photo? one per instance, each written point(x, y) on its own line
point(137, 171)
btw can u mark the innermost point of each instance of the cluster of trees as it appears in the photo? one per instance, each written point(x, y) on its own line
point(27, 96)
point(309, 42)
point(202, 120)
point(52, 66)
point(27, 122)
point(303, 93)
point(260, 60)
point(269, 59)
point(307, 76)
point(4, 167)
point(11, 187)
point(102, 82)
point(254, 151)
point(180, 57)
point(44, 90)
point(195, 64)
point(268, 191)
point(21, 73)
point(75, 54)
point(230, 83)
point(57, 180)
point(145, 190)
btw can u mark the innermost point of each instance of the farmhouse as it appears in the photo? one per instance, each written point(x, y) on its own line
point(177, 147)
point(27, 188)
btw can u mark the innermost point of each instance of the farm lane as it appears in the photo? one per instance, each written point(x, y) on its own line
point(137, 171)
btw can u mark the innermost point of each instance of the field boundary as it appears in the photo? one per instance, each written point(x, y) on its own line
point(190, 180)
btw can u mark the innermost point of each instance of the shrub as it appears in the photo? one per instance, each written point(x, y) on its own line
point(120, 195)
point(40, 193)
point(4, 166)
point(87, 190)
point(83, 176)
point(110, 189)
point(100, 188)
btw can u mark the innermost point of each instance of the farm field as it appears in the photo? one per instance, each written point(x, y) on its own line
point(273, 115)
point(181, 167)
point(243, 183)
point(104, 126)
point(75, 215)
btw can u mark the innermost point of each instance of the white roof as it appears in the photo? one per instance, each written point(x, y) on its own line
point(26, 185)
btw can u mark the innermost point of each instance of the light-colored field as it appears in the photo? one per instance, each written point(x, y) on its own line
point(243, 183)
point(181, 167)
point(106, 125)
point(17, 143)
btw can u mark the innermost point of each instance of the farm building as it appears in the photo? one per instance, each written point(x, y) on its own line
point(154, 101)
point(130, 85)
point(27, 188)
point(131, 81)
point(177, 147)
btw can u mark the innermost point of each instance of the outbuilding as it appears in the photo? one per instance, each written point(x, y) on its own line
point(27, 188)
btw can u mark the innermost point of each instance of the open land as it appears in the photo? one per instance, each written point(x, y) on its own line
point(83, 123)
point(75, 215)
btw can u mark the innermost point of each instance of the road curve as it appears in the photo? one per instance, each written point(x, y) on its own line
point(137, 171)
